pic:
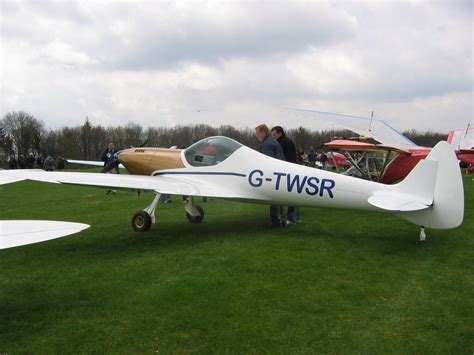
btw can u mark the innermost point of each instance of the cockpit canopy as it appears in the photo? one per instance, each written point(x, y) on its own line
point(210, 151)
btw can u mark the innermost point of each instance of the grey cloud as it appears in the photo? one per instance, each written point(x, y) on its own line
point(161, 35)
point(256, 31)
point(401, 51)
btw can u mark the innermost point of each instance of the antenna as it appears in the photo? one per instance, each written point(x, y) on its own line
point(370, 123)
point(467, 130)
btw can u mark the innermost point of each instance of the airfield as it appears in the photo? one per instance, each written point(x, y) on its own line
point(340, 282)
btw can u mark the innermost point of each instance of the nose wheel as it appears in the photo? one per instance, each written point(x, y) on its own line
point(142, 220)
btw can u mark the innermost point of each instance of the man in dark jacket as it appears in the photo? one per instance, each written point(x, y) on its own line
point(270, 147)
point(108, 155)
point(21, 162)
point(293, 215)
point(286, 144)
point(30, 161)
point(12, 163)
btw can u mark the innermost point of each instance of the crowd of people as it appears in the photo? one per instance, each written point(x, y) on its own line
point(36, 161)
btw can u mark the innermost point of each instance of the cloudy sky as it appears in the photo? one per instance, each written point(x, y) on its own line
point(165, 63)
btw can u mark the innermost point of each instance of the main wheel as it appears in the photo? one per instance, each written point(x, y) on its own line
point(196, 219)
point(141, 221)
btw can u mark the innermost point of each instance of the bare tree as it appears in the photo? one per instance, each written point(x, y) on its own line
point(425, 139)
point(25, 131)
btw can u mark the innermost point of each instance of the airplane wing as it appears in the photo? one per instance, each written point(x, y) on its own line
point(462, 139)
point(17, 233)
point(182, 182)
point(91, 163)
point(358, 146)
point(377, 129)
point(8, 179)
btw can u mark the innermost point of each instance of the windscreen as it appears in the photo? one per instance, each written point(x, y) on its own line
point(210, 151)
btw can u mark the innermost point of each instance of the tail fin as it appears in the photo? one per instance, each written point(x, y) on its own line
point(438, 177)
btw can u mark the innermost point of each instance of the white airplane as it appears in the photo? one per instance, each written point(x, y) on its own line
point(431, 196)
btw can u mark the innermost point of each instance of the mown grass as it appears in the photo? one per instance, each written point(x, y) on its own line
point(341, 282)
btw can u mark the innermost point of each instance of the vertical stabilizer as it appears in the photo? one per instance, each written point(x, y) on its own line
point(447, 209)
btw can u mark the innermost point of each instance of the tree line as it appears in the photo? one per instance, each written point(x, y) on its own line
point(21, 133)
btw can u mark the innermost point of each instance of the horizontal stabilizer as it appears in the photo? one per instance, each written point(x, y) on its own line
point(412, 194)
point(397, 202)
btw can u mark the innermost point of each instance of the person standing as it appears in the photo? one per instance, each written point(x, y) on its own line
point(324, 160)
point(270, 147)
point(21, 162)
point(30, 161)
point(108, 156)
point(61, 163)
point(49, 163)
point(12, 163)
point(311, 157)
point(39, 161)
point(289, 150)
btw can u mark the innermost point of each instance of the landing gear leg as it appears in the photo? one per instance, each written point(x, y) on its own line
point(142, 220)
point(422, 235)
point(194, 213)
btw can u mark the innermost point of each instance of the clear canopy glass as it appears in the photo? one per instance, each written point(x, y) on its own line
point(210, 151)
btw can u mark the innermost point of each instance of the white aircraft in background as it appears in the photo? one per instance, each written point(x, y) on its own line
point(431, 196)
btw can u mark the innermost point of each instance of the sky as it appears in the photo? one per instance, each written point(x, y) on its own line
point(160, 63)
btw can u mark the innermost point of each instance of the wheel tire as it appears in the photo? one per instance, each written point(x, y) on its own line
point(196, 219)
point(141, 221)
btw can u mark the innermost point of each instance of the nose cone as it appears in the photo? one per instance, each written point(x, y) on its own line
point(134, 162)
point(144, 161)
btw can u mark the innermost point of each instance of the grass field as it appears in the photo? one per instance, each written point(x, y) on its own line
point(341, 282)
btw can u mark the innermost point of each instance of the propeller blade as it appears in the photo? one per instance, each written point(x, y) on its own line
point(143, 144)
point(113, 165)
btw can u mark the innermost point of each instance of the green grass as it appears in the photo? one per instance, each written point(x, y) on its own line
point(341, 282)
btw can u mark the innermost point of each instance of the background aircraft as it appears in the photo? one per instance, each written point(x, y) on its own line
point(381, 153)
point(462, 141)
point(431, 196)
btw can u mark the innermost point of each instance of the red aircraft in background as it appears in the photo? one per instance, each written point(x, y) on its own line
point(335, 160)
point(381, 153)
point(462, 142)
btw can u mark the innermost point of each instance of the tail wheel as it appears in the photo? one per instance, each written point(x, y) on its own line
point(141, 221)
point(196, 219)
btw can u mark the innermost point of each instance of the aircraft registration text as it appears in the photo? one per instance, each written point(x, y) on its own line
point(310, 185)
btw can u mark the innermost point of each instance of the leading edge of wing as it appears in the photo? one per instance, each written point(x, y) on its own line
point(185, 183)
point(90, 163)
point(376, 128)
